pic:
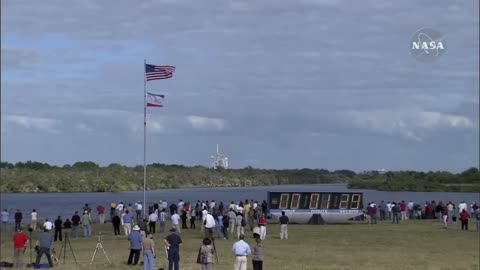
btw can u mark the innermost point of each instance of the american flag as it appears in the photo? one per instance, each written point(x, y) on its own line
point(153, 72)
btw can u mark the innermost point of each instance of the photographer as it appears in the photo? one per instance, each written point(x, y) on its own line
point(43, 245)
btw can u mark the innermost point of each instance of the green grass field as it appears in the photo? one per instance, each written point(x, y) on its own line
point(422, 244)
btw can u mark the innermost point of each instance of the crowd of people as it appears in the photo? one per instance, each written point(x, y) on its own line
point(217, 221)
point(447, 213)
point(220, 221)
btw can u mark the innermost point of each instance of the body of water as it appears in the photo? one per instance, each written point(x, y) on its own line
point(51, 205)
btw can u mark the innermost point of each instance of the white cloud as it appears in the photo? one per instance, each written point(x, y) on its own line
point(207, 124)
point(135, 124)
point(28, 122)
point(84, 127)
point(408, 123)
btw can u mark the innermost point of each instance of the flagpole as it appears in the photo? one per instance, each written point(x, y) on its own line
point(144, 135)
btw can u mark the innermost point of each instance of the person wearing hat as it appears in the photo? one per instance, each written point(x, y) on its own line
point(173, 243)
point(20, 241)
point(135, 239)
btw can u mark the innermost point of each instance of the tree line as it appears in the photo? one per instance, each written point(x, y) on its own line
point(87, 176)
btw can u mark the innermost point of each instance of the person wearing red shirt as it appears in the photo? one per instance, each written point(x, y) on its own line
point(403, 209)
point(101, 214)
point(262, 223)
point(464, 219)
point(20, 241)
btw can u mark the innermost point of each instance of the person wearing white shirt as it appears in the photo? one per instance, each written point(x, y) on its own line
point(175, 221)
point(204, 217)
point(33, 218)
point(138, 210)
point(389, 210)
point(180, 206)
point(212, 205)
point(209, 226)
point(462, 206)
point(120, 208)
point(48, 225)
point(241, 250)
point(152, 221)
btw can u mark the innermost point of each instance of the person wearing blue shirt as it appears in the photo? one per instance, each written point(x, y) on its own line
point(127, 222)
point(241, 250)
point(135, 239)
point(173, 243)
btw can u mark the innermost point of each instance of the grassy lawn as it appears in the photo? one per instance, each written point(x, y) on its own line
point(411, 245)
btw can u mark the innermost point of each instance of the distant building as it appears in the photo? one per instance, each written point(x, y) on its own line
point(219, 160)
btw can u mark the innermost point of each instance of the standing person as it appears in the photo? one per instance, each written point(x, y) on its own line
point(33, 218)
point(5, 218)
point(135, 239)
point(152, 221)
point(372, 213)
point(477, 217)
point(382, 208)
point(148, 252)
point(163, 220)
point(226, 223)
point(87, 224)
point(116, 224)
point(264, 207)
point(192, 218)
point(138, 210)
point(101, 214)
point(18, 219)
point(20, 241)
point(67, 224)
point(120, 208)
point(113, 206)
point(44, 243)
point(240, 222)
point(58, 229)
point(262, 223)
point(75, 224)
point(241, 250)
point(173, 209)
point(257, 255)
point(232, 217)
point(389, 210)
point(395, 213)
point(204, 216)
point(444, 213)
point(173, 243)
point(403, 209)
point(283, 226)
point(464, 216)
point(410, 207)
point(127, 222)
point(184, 219)
point(176, 222)
point(209, 226)
point(450, 211)
point(206, 254)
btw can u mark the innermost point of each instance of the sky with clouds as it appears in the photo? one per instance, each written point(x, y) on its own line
point(278, 84)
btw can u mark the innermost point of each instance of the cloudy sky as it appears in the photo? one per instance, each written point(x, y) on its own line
point(278, 84)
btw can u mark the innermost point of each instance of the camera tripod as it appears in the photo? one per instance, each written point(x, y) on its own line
point(64, 249)
point(99, 246)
